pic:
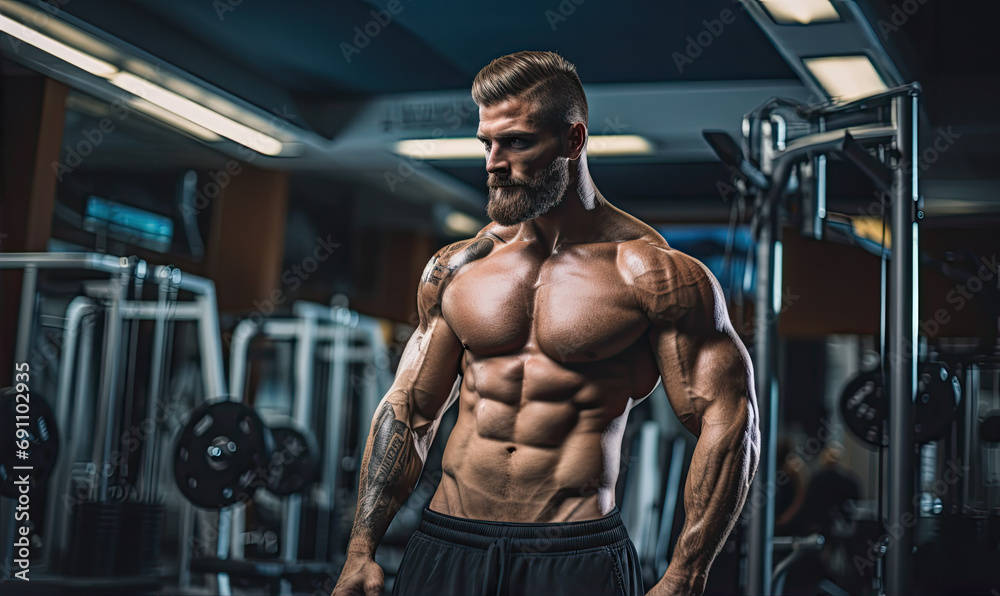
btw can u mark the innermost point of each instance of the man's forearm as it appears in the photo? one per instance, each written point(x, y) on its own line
point(722, 467)
point(389, 472)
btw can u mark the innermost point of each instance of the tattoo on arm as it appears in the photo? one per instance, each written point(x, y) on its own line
point(380, 494)
point(434, 272)
point(454, 257)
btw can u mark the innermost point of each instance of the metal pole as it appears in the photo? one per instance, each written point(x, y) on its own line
point(902, 341)
point(159, 346)
point(78, 432)
point(338, 391)
point(60, 518)
point(107, 412)
point(765, 336)
point(213, 373)
point(239, 348)
point(26, 317)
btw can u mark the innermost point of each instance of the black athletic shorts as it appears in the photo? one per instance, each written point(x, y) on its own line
point(453, 556)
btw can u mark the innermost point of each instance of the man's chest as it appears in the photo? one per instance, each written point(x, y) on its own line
point(575, 306)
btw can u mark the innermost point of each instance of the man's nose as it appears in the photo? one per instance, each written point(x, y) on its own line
point(496, 163)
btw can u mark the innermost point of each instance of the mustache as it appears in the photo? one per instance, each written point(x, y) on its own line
point(498, 182)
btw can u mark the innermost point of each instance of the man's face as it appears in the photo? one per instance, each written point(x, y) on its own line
point(527, 174)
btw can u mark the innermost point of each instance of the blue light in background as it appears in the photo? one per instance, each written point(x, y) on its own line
point(707, 243)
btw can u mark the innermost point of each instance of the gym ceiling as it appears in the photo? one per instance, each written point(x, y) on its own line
point(661, 70)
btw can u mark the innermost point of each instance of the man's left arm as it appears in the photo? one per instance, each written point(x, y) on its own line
point(708, 379)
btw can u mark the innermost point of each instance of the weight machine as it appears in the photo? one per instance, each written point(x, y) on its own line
point(344, 341)
point(784, 149)
point(102, 509)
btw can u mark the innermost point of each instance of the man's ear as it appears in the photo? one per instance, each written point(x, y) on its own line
point(576, 140)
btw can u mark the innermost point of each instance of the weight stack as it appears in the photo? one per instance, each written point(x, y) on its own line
point(139, 539)
point(95, 536)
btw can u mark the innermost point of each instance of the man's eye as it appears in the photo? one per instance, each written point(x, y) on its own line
point(486, 145)
point(518, 143)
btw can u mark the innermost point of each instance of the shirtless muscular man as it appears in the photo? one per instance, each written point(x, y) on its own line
point(559, 316)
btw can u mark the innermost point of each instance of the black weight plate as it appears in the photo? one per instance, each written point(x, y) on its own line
point(938, 394)
point(864, 406)
point(222, 454)
point(295, 461)
point(989, 427)
point(34, 417)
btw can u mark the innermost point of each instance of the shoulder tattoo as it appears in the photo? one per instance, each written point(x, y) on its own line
point(453, 257)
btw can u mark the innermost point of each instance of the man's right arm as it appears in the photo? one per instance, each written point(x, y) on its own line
point(404, 425)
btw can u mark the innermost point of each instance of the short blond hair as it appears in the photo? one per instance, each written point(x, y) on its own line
point(545, 78)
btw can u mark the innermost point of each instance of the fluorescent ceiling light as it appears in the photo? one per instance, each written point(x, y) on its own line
point(174, 120)
point(456, 148)
point(460, 224)
point(618, 145)
point(800, 12)
point(168, 106)
point(95, 108)
point(846, 78)
point(472, 148)
point(59, 50)
point(196, 113)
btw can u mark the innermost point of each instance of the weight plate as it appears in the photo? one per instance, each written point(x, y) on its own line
point(938, 394)
point(222, 454)
point(294, 462)
point(865, 405)
point(989, 427)
point(28, 438)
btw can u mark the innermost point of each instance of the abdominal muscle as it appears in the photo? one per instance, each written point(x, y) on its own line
point(536, 441)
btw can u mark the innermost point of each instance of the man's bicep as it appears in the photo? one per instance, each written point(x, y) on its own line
point(428, 368)
point(705, 367)
point(705, 377)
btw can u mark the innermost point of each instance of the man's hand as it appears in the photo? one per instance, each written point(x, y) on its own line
point(677, 584)
point(361, 576)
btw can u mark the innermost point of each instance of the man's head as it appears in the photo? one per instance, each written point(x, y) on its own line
point(532, 121)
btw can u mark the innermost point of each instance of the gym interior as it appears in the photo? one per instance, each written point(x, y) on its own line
point(215, 214)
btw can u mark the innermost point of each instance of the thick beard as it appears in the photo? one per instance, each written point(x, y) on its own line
point(509, 205)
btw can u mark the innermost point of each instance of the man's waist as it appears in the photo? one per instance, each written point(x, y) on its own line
point(526, 537)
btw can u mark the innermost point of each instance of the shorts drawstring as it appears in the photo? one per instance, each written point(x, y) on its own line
point(497, 561)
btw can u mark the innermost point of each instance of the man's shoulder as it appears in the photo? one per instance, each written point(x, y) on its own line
point(649, 256)
point(667, 282)
point(449, 259)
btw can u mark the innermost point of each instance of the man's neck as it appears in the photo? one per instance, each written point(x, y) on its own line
point(574, 219)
